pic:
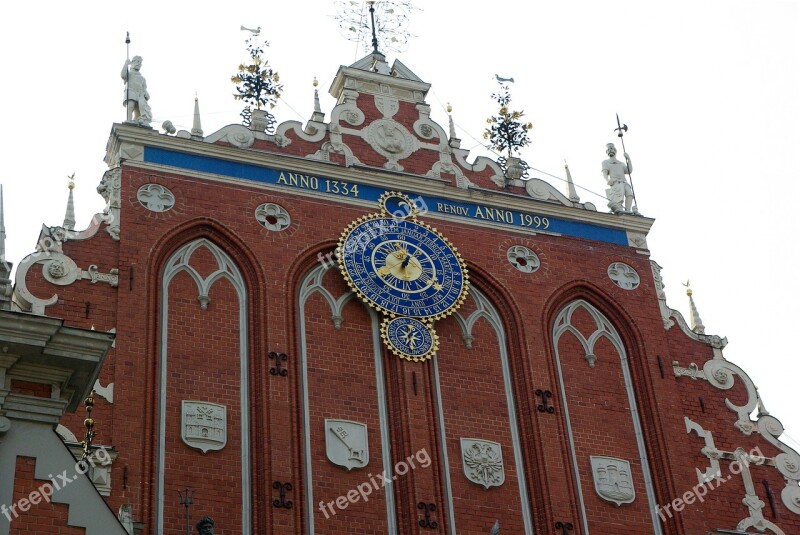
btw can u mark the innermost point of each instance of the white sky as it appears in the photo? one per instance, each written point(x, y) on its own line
point(709, 90)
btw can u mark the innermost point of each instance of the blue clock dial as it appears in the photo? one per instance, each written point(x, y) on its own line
point(409, 338)
point(403, 267)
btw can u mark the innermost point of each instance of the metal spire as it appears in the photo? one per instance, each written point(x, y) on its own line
point(2, 228)
point(317, 116)
point(6, 287)
point(571, 193)
point(69, 217)
point(197, 129)
point(454, 141)
point(374, 35)
point(696, 324)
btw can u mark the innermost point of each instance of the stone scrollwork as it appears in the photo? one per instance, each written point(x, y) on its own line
point(273, 217)
point(94, 276)
point(542, 191)
point(448, 167)
point(787, 462)
point(237, 135)
point(58, 269)
point(692, 371)
point(721, 374)
point(347, 111)
point(110, 189)
point(155, 197)
point(709, 450)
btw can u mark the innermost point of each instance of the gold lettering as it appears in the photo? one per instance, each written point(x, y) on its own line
point(479, 212)
point(282, 179)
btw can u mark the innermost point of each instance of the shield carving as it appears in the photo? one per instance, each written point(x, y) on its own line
point(346, 443)
point(482, 461)
point(204, 425)
point(612, 479)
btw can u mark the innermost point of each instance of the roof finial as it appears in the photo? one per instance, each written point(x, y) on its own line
point(317, 108)
point(69, 217)
point(6, 287)
point(454, 141)
point(2, 228)
point(317, 116)
point(197, 129)
point(571, 193)
point(374, 35)
point(697, 323)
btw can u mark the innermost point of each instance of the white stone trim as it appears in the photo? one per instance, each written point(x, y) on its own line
point(227, 269)
point(445, 468)
point(86, 507)
point(604, 329)
point(485, 309)
point(311, 284)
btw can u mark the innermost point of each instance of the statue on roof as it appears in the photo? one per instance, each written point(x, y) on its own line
point(136, 95)
point(619, 191)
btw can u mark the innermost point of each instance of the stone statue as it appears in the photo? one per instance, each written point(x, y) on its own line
point(619, 190)
point(136, 95)
point(205, 526)
point(126, 517)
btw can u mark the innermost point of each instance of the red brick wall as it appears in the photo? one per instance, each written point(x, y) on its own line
point(35, 518)
point(341, 372)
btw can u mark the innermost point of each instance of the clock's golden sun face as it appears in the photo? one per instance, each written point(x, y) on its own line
point(407, 264)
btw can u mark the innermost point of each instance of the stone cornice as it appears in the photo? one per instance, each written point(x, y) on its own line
point(364, 175)
point(46, 351)
point(414, 87)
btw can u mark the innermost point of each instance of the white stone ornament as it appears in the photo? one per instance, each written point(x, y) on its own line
point(523, 259)
point(624, 276)
point(612, 479)
point(155, 197)
point(482, 461)
point(346, 443)
point(273, 217)
point(204, 425)
point(391, 140)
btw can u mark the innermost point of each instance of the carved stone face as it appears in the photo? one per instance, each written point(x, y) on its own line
point(56, 269)
point(611, 151)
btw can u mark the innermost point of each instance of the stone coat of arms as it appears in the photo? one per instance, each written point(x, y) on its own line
point(204, 425)
point(612, 479)
point(346, 443)
point(482, 461)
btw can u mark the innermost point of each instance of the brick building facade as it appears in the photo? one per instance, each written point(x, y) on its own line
point(565, 396)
